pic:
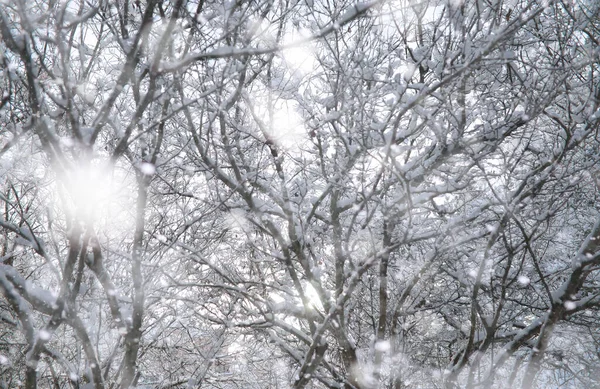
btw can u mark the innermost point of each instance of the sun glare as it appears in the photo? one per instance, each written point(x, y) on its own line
point(99, 194)
point(287, 129)
point(301, 57)
point(313, 297)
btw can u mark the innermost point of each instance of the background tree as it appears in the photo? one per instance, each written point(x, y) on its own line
point(265, 194)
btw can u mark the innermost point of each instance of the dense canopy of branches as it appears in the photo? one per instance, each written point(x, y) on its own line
point(326, 194)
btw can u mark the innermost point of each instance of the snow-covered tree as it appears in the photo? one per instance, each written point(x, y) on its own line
point(255, 194)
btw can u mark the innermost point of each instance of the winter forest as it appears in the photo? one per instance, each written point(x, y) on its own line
point(263, 194)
